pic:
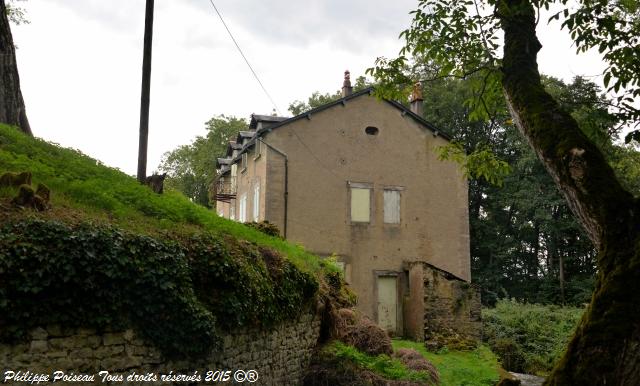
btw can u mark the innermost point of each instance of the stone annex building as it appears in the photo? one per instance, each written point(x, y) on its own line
point(360, 178)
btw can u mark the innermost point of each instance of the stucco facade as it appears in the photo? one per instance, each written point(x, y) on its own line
point(317, 171)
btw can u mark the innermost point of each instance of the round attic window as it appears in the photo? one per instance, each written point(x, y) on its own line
point(371, 130)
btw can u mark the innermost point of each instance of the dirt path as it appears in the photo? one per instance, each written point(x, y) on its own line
point(529, 380)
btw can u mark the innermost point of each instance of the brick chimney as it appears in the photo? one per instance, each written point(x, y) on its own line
point(416, 100)
point(346, 85)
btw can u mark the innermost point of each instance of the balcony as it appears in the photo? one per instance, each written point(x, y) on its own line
point(225, 189)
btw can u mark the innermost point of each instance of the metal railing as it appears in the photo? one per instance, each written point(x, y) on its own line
point(225, 189)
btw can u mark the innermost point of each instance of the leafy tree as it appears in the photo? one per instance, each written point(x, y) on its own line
point(12, 109)
point(496, 40)
point(191, 168)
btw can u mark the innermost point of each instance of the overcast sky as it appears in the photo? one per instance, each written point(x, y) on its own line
point(80, 64)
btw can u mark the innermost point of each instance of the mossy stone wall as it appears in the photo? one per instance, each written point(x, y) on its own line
point(278, 355)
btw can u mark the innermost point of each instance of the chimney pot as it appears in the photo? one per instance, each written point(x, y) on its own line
point(346, 85)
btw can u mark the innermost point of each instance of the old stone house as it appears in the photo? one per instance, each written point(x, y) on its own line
point(359, 178)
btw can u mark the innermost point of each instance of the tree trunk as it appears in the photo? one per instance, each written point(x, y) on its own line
point(12, 109)
point(605, 349)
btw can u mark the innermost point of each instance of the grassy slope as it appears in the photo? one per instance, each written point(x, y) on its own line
point(85, 189)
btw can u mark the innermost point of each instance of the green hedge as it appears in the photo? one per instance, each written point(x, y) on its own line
point(529, 338)
point(180, 294)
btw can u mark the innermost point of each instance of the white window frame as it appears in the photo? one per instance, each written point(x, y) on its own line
point(357, 187)
point(387, 193)
point(242, 216)
point(256, 202)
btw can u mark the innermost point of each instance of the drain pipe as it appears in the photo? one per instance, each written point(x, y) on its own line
point(286, 182)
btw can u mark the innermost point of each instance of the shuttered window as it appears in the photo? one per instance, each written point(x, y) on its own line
point(391, 206)
point(360, 204)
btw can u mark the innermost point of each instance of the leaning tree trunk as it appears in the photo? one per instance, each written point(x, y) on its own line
point(605, 348)
point(12, 109)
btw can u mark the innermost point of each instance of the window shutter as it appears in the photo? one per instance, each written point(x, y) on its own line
point(392, 207)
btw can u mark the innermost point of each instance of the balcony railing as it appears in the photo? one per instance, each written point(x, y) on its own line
point(225, 189)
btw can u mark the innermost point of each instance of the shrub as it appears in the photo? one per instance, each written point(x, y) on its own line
point(360, 332)
point(529, 338)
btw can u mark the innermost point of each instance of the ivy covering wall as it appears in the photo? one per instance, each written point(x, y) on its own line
point(181, 293)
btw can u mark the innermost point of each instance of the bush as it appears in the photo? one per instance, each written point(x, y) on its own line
point(529, 338)
point(360, 332)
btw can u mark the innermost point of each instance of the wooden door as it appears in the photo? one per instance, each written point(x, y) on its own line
point(388, 302)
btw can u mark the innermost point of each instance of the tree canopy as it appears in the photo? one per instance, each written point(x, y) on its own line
point(191, 168)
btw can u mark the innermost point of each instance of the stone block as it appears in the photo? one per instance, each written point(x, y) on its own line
point(94, 341)
point(85, 352)
point(86, 331)
point(110, 339)
point(57, 354)
point(39, 333)
point(54, 330)
point(129, 335)
point(38, 346)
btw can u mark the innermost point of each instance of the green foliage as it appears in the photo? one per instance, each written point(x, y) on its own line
point(383, 365)
point(179, 294)
point(17, 15)
point(457, 368)
point(84, 185)
point(529, 338)
point(612, 28)
point(448, 40)
point(191, 168)
point(480, 164)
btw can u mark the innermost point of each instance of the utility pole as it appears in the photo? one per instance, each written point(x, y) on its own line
point(146, 90)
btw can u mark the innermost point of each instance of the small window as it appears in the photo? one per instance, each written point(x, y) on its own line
point(371, 130)
point(232, 213)
point(360, 204)
point(391, 206)
point(256, 202)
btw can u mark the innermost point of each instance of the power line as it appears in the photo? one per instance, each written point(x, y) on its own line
point(244, 57)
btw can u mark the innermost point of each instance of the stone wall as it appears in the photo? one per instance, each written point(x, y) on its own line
point(450, 307)
point(279, 356)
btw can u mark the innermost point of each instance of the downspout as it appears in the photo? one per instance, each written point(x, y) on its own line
point(286, 182)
